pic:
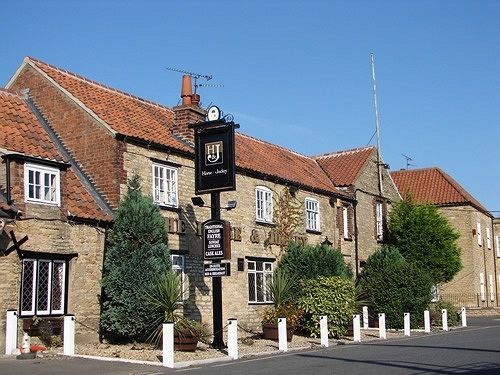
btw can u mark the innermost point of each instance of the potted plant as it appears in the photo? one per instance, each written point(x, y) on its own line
point(166, 295)
point(280, 289)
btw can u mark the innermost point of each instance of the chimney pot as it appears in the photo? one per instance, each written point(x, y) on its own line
point(186, 90)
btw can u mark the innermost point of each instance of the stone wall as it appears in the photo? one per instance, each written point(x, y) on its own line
point(476, 258)
point(84, 273)
point(367, 193)
point(245, 231)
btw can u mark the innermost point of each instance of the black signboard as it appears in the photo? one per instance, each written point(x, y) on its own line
point(216, 240)
point(214, 154)
point(217, 269)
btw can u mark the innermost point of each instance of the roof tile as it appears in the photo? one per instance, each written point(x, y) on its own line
point(433, 186)
point(21, 132)
point(343, 167)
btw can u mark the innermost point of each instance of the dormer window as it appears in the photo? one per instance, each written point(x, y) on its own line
point(41, 184)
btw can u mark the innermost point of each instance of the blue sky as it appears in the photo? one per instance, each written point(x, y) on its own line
point(297, 73)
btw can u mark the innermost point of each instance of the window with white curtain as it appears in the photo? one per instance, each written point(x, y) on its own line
point(263, 204)
point(312, 214)
point(165, 185)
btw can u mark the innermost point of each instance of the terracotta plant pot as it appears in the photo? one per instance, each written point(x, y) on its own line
point(270, 332)
point(185, 342)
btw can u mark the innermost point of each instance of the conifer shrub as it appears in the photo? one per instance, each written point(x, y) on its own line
point(136, 256)
point(436, 315)
point(331, 296)
point(309, 262)
point(397, 288)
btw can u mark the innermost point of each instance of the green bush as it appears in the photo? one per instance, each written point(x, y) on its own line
point(435, 312)
point(398, 288)
point(136, 256)
point(309, 262)
point(331, 296)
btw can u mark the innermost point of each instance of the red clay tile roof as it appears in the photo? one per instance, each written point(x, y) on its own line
point(271, 160)
point(433, 186)
point(21, 132)
point(136, 117)
point(343, 167)
point(125, 114)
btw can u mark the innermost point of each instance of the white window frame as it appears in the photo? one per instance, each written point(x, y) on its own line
point(179, 267)
point(312, 214)
point(267, 273)
point(165, 185)
point(53, 190)
point(498, 245)
point(345, 222)
point(35, 287)
point(379, 220)
point(263, 204)
point(479, 235)
point(482, 286)
point(488, 238)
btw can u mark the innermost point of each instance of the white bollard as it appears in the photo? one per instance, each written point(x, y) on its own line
point(168, 345)
point(323, 329)
point(11, 332)
point(282, 343)
point(69, 335)
point(381, 326)
point(427, 321)
point(356, 328)
point(232, 338)
point(407, 324)
point(365, 317)
point(463, 315)
point(444, 319)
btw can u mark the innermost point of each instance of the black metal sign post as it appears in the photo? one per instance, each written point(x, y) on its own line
point(215, 172)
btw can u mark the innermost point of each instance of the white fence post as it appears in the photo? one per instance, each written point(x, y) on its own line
point(407, 324)
point(69, 335)
point(323, 329)
point(427, 321)
point(232, 338)
point(11, 332)
point(168, 345)
point(444, 319)
point(463, 315)
point(381, 326)
point(282, 343)
point(356, 328)
point(365, 317)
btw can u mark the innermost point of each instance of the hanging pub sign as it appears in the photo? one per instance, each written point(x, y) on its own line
point(216, 240)
point(214, 156)
point(217, 269)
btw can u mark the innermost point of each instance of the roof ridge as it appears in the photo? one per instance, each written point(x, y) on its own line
point(342, 152)
point(415, 170)
point(275, 145)
point(102, 85)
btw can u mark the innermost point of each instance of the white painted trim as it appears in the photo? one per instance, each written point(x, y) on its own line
point(64, 91)
point(43, 170)
point(16, 74)
point(317, 221)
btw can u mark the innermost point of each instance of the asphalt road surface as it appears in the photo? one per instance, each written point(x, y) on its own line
point(471, 350)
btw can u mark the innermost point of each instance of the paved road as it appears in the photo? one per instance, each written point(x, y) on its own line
point(472, 350)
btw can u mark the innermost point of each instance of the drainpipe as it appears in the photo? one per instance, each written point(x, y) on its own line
point(495, 251)
point(356, 254)
point(7, 173)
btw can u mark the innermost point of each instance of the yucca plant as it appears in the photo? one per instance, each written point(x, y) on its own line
point(166, 296)
point(280, 289)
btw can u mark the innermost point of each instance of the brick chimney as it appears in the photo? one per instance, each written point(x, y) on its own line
point(189, 112)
